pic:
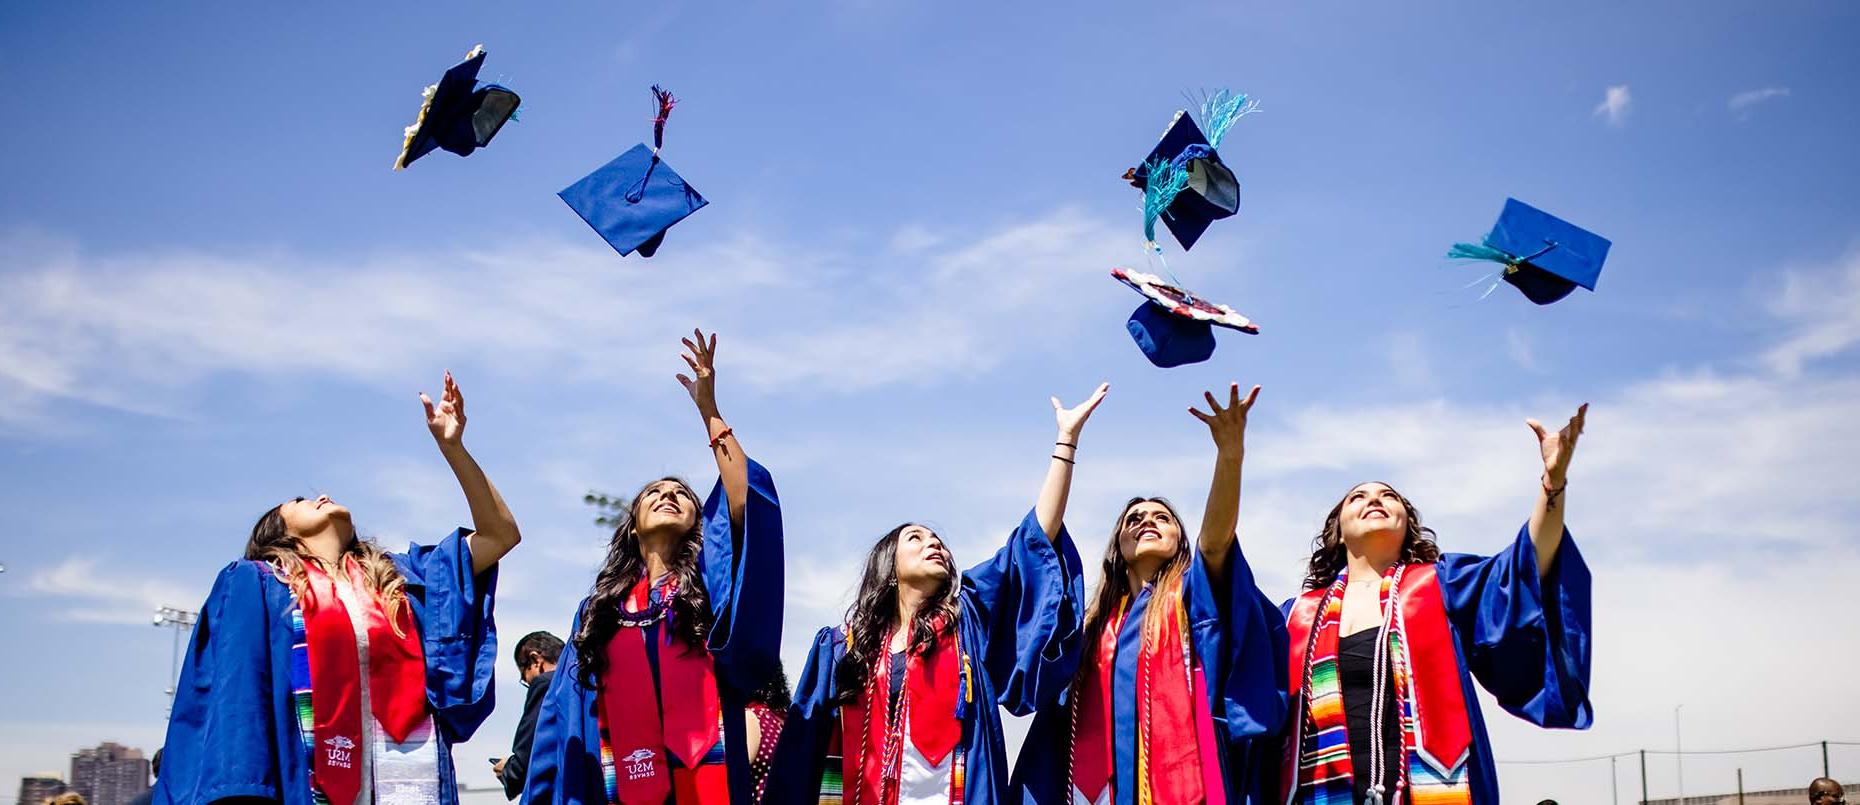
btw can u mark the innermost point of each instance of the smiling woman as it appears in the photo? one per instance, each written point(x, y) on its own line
point(681, 630)
point(1390, 634)
point(325, 669)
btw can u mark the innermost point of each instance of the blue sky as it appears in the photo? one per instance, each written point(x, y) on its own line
point(217, 295)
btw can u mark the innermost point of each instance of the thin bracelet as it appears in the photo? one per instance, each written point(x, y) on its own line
point(1063, 458)
point(717, 441)
point(1066, 444)
point(1553, 494)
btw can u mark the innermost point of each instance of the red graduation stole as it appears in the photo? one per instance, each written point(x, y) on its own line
point(396, 678)
point(1170, 760)
point(929, 705)
point(1442, 730)
point(640, 740)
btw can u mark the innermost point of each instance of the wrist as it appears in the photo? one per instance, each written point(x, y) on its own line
point(1554, 482)
point(1066, 439)
point(455, 447)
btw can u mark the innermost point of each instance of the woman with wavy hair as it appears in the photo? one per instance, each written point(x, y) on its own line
point(899, 706)
point(681, 628)
point(1390, 634)
point(1178, 696)
point(325, 669)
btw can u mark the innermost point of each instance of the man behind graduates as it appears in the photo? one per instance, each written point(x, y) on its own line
point(536, 656)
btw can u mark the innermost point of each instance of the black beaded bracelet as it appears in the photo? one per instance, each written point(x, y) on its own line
point(1063, 458)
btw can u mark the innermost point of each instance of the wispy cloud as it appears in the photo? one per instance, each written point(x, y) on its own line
point(1742, 103)
point(83, 589)
point(1614, 106)
point(1824, 308)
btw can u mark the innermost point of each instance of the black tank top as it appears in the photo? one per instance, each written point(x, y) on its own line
point(1356, 662)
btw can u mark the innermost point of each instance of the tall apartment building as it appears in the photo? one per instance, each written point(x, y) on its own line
point(109, 774)
point(39, 788)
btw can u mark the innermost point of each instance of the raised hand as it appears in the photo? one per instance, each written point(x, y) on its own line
point(447, 419)
point(1072, 420)
point(702, 384)
point(1558, 447)
point(1227, 425)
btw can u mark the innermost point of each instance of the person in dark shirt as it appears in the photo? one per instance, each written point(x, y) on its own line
point(148, 795)
point(1823, 791)
point(536, 656)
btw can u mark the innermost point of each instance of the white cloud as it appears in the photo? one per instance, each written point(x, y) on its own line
point(83, 590)
point(1742, 103)
point(1825, 306)
point(135, 333)
point(1614, 105)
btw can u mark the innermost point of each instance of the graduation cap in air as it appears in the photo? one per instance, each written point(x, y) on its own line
point(457, 114)
point(631, 201)
point(1209, 191)
point(1544, 256)
point(1174, 326)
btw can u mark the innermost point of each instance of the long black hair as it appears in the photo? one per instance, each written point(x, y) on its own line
point(622, 569)
point(874, 613)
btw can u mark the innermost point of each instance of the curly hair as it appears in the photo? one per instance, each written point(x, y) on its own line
point(1328, 555)
point(874, 613)
point(622, 569)
point(274, 545)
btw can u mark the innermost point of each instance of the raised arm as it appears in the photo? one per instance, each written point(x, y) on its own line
point(494, 530)
point(732, 464)
point(1547, 515)
point(1051, 508)
point(1222, 515)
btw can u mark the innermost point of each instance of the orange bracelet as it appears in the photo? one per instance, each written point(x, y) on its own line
point(717, 441)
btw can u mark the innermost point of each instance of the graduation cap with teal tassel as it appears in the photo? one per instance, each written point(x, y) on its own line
point(1543, 256)
point(1186, 185)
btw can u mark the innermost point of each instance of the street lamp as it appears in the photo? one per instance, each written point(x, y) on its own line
point(181, 621)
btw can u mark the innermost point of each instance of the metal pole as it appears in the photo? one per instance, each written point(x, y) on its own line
point(1740, 787)
point(1614, 783)
point(179, 620)
point(1824, 759)
point(1679, 755)
point(1643, 777)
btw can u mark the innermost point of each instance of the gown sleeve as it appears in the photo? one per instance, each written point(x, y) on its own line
point(1027, 598)
point(807, 734)
point(1241, 639)
point(743, 576)
point(457, 632)
point(1525, 639)
point(223, 734)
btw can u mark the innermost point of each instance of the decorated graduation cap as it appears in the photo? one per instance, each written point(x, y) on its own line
point(634, 199)
point(1542, 255)
point(1173, 327)
point(457, 114)
point(1207, 190)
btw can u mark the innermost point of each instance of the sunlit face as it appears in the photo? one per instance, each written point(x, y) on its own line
point(1148, 535)
point(304, 517)
point(921, 555)
point(666, 506)
point(1371, 511)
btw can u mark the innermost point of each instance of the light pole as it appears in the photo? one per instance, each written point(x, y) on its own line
point(181, 621)
point(1679, 754)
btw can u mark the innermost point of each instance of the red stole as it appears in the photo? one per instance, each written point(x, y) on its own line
point(1170, 692)
point(396, 678)
point(639, 737)
point(929, 705)
point(1442, 730)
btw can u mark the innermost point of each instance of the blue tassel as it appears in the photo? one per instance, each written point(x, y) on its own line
point(1480, 251)
point(1219, 112)
point(1164, 181)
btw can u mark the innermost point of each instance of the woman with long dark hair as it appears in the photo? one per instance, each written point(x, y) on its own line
point(1177, 697)
point(325, 669)
point(899, 706)
point(681, 628)
point(1390, 634)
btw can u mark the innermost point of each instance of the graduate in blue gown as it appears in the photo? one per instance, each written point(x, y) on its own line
point(898, 707)
point(325, 669)
point(1390, 635)
point(1178, 697)
point(681, 629)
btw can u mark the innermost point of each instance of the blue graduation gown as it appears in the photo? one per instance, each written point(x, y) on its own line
point(1239, 638)
point(1525, 639)
point(744, 582)
point(234, 732)
point(1019, 621)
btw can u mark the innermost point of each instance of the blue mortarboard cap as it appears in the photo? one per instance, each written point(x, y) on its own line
point(458, 115)
point(1546, 257)
point(1212, 192)
point(1173, 327)
point(632, 200)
